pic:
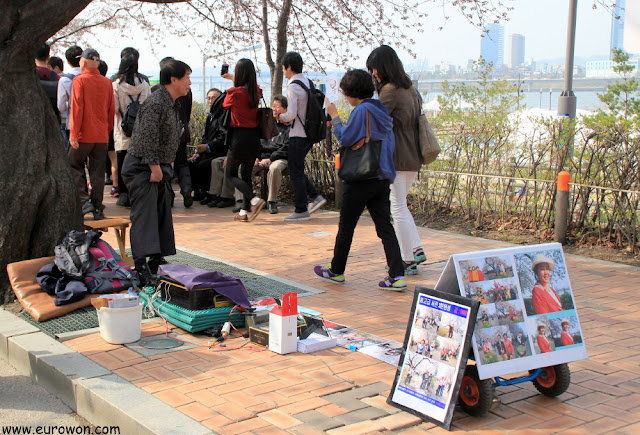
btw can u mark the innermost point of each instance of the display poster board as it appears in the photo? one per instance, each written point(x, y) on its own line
point(434, 355)
point(527, 317)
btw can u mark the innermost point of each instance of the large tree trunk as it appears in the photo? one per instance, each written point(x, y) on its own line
point(38, 197)
point(281, 48)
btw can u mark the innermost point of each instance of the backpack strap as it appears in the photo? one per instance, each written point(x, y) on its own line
point(302, 85)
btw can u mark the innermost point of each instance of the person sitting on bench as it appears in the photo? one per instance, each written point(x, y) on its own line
point(276, 161)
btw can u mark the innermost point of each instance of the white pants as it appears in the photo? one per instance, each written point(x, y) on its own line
point(403, 222)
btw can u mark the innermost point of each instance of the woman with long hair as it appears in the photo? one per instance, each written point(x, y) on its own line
point(128, 86)
point(244, 135)
point(402, 100)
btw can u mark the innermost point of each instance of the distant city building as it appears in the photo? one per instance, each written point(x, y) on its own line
point(617, 26)
point(447, 68)
point(603, 69)
point(492, 45)
point(516, 50)
point(469, 66)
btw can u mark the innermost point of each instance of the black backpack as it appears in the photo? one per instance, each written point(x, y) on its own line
point(315, 125)
point(129, 116)
point(72, 254)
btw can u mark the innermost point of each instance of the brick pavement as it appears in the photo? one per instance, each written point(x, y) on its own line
point(342, 392)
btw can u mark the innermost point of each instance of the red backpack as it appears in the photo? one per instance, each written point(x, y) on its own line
point(108, 273)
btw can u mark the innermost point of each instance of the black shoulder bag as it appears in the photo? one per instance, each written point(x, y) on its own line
point(361, 161)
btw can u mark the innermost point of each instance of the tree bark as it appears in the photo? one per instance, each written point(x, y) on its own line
point(281, 48)
point(39, 200)
point(37, 193)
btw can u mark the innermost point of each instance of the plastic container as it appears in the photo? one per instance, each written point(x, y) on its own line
point(120, 325)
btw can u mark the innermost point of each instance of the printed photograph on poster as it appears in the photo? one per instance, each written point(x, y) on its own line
point(388, 352)
point(526, 305)
point(348, 337)
point(434, 355)
point(544, 282)
point(489, 292)
point(486, 269)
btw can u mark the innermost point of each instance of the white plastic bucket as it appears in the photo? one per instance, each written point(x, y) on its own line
point(120, 325)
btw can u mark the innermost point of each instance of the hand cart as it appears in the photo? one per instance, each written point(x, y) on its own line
point(476, 395)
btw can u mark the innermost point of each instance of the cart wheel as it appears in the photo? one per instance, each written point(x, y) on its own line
point(554, 380)
point(476, 396)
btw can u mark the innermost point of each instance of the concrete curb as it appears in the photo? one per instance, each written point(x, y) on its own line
point(95, 393)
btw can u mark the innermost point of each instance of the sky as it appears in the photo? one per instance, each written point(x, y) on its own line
point(542, 22)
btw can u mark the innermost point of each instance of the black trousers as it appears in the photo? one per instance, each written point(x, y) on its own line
point(95, 154)
point(181, 167)
point(303, 189)
point(244, 149)
point(373, 194)
point(200, 171)
point(122, 187)
point(244, 182)
point(151, 220)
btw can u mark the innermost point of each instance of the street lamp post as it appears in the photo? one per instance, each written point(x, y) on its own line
point(566, 108)
point(567, 99)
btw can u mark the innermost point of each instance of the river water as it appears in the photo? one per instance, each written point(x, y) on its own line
point(585, 100)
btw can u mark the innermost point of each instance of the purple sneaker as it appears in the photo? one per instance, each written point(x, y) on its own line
point(326, 274)
point(396, 284)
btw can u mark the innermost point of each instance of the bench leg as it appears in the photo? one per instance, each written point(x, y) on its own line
point(121, 236)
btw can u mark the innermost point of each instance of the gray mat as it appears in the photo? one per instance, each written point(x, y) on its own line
point(259, 286)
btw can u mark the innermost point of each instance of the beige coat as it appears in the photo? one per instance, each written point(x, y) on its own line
point(404, 108)
point(121, 92)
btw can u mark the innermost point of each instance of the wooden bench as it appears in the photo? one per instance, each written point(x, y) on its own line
point(262, 174)
point(120, 226)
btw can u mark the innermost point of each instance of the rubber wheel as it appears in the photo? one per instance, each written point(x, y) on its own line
point(476, 396)
point(553, 381)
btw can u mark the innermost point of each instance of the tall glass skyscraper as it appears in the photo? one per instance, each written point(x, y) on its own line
point(617, 26)
point(516, 50)
point(492, 45)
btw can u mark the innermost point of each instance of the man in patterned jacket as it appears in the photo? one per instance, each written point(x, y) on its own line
point(147, 170)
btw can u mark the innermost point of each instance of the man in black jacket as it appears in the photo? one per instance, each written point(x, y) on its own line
point(274, 155)
point(211, 146)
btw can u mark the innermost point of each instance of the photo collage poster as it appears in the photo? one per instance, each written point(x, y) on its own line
point(432, 364)
point(527, 316)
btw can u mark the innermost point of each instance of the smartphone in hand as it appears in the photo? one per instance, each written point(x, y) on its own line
point(224, 69)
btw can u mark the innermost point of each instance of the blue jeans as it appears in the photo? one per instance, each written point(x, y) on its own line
point(65, 134)
point(298, 149)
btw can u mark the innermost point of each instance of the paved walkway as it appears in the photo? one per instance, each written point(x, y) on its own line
point(232, 391)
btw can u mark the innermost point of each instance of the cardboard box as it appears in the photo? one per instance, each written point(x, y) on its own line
point(259, 334)
point(283, 337)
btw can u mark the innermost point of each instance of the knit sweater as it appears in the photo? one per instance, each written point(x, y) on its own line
point(156, 133)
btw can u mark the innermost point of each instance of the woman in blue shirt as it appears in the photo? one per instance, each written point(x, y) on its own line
point(357, 86)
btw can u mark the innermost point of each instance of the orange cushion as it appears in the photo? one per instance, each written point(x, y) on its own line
point(39, 304)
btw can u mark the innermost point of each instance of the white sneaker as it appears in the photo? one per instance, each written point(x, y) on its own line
point(295, 217)
point(317, 203)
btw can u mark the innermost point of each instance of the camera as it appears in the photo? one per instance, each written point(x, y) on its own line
point(224, 69)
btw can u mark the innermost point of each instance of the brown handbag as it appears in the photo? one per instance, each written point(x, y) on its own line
point(266, 122)
point(429, 146)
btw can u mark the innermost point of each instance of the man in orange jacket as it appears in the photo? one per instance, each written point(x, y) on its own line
point(91, 114)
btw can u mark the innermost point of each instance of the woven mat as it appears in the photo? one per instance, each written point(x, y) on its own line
point(258, 285)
